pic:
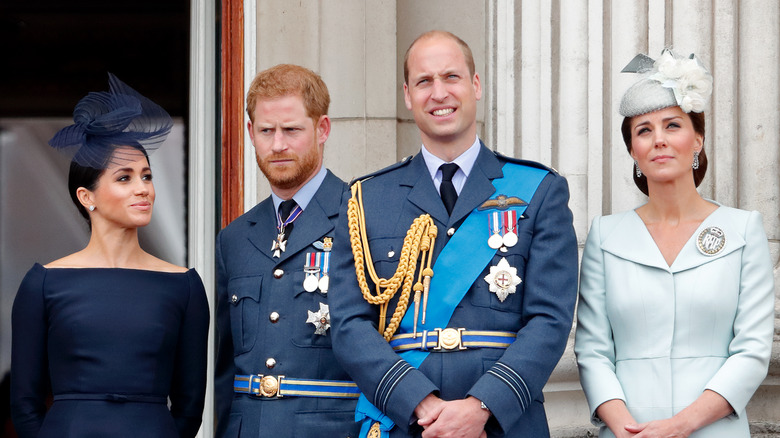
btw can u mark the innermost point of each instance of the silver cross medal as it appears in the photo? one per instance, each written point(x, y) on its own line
point(278, 245)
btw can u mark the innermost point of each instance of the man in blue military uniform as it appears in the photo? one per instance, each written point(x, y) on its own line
point(276, 375)
point(466, 266)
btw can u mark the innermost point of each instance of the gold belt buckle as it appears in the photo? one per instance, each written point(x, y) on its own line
point(450, 339)
point(269, 386)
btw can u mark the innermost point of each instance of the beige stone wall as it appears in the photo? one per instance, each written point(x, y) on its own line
point(551, 89)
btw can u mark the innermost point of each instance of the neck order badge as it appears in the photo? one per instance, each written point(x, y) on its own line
point(290, 211)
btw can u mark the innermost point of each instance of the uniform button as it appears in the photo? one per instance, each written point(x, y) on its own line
point(278, 273)
point(450, 232)
point(234, 299)
point(391, 253)
point(270, 363)
point(274, 317)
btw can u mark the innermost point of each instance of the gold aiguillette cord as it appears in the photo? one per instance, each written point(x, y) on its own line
point(418, 243)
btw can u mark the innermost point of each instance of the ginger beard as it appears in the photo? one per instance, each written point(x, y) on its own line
point(294, 171)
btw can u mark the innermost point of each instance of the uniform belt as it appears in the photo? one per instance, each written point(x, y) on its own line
point(450, 339)
point(281, 386)
point(121, 398)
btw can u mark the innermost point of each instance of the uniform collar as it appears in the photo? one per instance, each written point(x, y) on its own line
point(465, 161)
point(476, 189)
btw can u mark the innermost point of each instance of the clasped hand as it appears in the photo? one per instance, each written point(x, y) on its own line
point(668, 428)
point(450, 419)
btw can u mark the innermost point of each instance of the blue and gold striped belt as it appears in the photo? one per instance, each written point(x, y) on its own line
point(450, 339)
point(280, 386)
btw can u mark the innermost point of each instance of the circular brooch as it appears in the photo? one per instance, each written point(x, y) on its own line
point(711, 241)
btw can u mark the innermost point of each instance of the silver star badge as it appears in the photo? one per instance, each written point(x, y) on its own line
point(320, 319)
point(503, 279)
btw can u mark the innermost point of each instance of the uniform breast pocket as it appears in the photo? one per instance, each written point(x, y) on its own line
point(385, 253)
point(244, 296)
point(311, 322)
point(500, 286)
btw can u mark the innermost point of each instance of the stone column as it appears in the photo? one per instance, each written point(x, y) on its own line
point(353, 48)
point(758, 154)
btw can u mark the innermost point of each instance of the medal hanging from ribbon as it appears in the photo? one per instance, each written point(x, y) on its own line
point(312, 270)
point(495, 223)
point(316, 269)
point(503, 229)
point(325, 267)
point(278, 246)
point(510, 228)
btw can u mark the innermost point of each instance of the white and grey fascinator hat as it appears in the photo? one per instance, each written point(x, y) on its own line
point(671, 80)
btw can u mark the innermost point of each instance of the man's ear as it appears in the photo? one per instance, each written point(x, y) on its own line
point(477, 86)
point(407, 98)
point(323, 129)
point(249, 129)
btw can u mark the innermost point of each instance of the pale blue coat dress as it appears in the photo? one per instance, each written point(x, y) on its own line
point(656, 336)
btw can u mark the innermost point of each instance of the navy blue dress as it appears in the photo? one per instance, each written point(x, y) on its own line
point(113, 345)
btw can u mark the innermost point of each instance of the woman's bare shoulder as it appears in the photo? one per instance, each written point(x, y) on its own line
point(157, 264)
point(75, 260)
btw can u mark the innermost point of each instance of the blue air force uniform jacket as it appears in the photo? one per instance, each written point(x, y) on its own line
point(509, 381)
point(262, 311)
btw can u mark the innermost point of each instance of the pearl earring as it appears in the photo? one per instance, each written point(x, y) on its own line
point(91, 208)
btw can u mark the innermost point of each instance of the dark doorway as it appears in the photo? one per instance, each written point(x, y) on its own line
point(53, 51)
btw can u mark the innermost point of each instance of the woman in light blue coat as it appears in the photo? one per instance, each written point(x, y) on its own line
point(675, 317)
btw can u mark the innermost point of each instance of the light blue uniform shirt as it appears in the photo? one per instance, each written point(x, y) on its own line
point(303, 196)
point(465, 162)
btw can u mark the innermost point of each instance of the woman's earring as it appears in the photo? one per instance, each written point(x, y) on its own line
point(91, 208)
point(695, 160)
point(638, 171)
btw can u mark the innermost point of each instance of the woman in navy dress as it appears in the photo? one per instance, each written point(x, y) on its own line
point(118, 335)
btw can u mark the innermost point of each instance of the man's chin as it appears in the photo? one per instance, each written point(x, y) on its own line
point(279, 173)
point(283, 182)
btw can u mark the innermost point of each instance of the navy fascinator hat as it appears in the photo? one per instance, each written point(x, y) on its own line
point(104, 122)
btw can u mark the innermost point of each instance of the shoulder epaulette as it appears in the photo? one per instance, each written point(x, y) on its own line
point(403, 162)
point(528, 163)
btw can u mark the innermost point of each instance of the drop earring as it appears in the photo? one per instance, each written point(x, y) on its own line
point(638, 171)
point(695, 160)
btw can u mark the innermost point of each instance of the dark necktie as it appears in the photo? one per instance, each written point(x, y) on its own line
point(447, 190)
point(284, 213)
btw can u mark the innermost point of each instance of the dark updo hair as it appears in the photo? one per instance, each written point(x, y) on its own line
point(697, 119)
point(87, 177)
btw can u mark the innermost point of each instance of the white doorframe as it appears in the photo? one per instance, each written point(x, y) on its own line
point(202, 171)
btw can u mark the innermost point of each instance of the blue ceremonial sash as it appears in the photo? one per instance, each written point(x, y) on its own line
point(452, 277)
